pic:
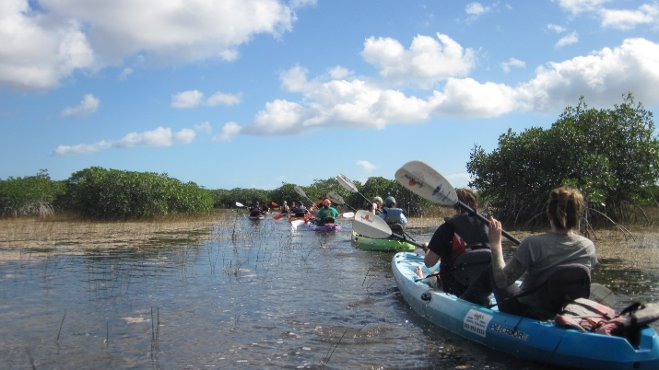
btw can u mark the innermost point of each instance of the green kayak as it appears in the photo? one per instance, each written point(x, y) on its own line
point(383, 245)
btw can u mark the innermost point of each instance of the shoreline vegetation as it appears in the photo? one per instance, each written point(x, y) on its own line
point(30, 237)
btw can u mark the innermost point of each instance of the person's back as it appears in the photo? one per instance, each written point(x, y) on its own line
point(452, 243)
point(326, 214)
point(539, 255)
point(393, 215)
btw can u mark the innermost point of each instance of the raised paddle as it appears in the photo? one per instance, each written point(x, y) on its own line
point(350, 186)
point(338, 199)
point(301, 193)
point(429, 184)
point(372, 226)
point(239, 205)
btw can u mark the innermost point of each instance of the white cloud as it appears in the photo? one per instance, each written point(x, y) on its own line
point(229, 131)
point(581, 6)
point(476, 9)
point(43, 44)
point(628, 19)
point(220, 98)
point(160, 137)
point(187, 99)
point(555, 28)
point(204, 127)
point(88, 105)
point(38, 51)
point(602, 77)
point(512, 63)
point(427, 61)
point(366, 165)
point(622, 19)
point(567, 40)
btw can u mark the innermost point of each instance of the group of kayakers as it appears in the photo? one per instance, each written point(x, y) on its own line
point(464, 236)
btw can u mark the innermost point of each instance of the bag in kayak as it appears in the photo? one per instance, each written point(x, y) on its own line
point(590, 316)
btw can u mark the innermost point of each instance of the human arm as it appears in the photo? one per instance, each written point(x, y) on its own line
point(504, 274)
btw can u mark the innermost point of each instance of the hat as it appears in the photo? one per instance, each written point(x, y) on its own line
point(390, 201)
point(377, 200)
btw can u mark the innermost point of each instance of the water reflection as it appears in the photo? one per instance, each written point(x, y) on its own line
point(252, 295)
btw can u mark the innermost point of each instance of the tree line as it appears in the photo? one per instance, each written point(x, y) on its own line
point(611, 155)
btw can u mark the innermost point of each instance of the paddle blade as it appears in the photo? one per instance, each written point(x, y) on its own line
point(423, 180)
point(346, 183)
point(278, 216)
point(300, 192)
point(336, 198)
point(370, 225)
point(238, 204)
point(348, 215)
point(274, 204)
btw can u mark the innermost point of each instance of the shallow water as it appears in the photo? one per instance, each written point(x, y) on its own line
point(264, 298)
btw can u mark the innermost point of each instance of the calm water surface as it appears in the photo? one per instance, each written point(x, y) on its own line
point(267, 298)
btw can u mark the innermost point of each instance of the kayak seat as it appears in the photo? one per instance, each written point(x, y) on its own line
point(564, 284)
point(397, 228)
point(470, 265)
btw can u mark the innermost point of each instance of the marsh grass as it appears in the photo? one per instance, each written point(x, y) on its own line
point(45, 236)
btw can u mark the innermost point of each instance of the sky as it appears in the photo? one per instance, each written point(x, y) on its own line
point(257, 93)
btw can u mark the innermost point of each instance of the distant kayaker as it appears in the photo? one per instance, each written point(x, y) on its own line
point(393, 215)
point(326, 214)
point(538, 255)
point(376, 205)
point(454, 237)
point(298, 209)
point(284, 208)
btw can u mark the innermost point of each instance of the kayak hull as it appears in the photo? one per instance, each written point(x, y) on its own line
point(380, 245)
point(327, 228)
point(522, 337)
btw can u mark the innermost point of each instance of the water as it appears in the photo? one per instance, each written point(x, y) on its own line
point(265, 298)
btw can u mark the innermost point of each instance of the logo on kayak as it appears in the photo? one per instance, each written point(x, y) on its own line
point(365, 217)
point(476, 322)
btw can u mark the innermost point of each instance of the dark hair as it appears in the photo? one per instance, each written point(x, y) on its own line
point(565, 207)
point(468, 197)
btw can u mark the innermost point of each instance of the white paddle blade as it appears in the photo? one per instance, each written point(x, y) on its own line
point(335, 197)
point(348, 215)
point(346, 183)
point(424, 181)
point(238, 204)
point(370, 225)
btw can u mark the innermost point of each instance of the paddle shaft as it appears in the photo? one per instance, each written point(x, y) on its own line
point(402, 238)
point(472, 212)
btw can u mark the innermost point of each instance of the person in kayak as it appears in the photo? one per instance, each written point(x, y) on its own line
point(284, 208)
point(376, 205)
point(539, 255)
point(326, 214)
point(394, 216)
point(255, 209)
point(457, 239)
point(298, 209)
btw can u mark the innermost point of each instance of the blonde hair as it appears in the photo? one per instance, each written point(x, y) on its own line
point(565, 207)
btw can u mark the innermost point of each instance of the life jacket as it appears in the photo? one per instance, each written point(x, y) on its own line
point(392, 215)
point(468, 234)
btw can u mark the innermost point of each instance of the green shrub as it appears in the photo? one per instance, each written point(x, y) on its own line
point(29, 196)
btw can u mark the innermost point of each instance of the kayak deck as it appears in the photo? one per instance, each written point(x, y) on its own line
point(522, 337)
point(382, 245)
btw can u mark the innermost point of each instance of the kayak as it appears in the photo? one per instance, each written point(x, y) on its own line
point(382, 245)
point(327, 228)
point(523, 337)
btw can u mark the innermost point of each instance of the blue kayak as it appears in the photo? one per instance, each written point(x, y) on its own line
point(525, 338)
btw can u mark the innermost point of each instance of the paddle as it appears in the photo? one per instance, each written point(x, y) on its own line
point(301, 193)
point(279, 216)
point(429, 184)
point(239, 205)
point(372, 226)
point(350, 186)
point(336, 198)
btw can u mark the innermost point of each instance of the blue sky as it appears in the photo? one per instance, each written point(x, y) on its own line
point(254, 93)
